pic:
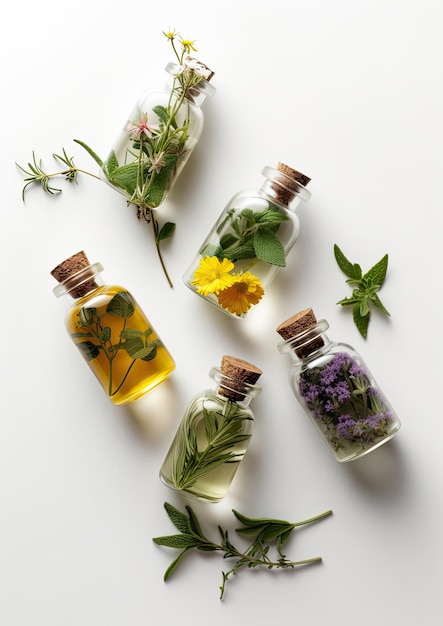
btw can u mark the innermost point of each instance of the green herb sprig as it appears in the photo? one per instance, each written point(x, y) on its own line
point(223, 432)
point(153, 157)
point(264, 533)
point(35, 174)
point(96, 338)
point(252, 236)
point(366, 286)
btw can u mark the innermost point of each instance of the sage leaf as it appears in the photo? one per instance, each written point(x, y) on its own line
point(268, 248)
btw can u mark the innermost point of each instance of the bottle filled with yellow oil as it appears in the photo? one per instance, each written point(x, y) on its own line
point(111, 331)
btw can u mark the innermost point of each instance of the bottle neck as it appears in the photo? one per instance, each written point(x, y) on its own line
point(307, 344)
point(283, 190)
point(81, 283)
point(233, 389)
point(189, 78)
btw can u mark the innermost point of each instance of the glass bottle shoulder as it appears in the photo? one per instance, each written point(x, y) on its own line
point(210, 400)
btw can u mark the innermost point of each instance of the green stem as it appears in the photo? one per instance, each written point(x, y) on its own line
point(155, 230)
point(124, 378)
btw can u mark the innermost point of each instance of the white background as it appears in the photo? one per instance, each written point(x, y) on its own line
point(349, 92)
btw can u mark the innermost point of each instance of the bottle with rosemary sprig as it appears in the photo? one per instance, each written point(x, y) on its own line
point(214, 433)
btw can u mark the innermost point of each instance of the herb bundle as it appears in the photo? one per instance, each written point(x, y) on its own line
point(264, 533)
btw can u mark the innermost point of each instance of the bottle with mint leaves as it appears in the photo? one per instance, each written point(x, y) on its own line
point(249, 242)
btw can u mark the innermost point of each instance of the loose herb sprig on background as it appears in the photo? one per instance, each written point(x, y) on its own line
point(264, 533)
point(366, 286)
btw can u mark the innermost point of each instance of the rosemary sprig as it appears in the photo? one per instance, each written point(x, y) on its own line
point(37, 175)
point(263, 531)
point(366, 287)
point(223, 432)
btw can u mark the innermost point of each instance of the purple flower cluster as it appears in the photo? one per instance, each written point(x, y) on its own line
point(341, 395)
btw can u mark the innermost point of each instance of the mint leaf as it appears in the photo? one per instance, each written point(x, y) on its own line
point(362, 322)
point(353, 270)
point(364, 295)
point(377, 273)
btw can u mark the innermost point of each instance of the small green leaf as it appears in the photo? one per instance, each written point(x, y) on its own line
point(268, 248)
point(166, 231)
point(162, 113)
point(121, 305)
point(179, 519)
point(378, 303)
point(124, 176)
point(105, 335)
point(161, 181)
point(136, 349)
point(228, 240)
point(364, 307)
point(90, 151)
point(193, 521)
point(362, 323)
point(174, 564)
point(110, 164)
point(377, 273)
point(353, 270)
point(177, 541)
point(89, 350)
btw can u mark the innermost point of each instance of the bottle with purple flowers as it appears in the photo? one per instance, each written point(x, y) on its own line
point(336, 389)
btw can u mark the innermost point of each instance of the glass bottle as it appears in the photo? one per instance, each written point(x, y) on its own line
point(159, 136)
point(249, 242)
point(214, 433)
point(111, 332)
point(336, 389)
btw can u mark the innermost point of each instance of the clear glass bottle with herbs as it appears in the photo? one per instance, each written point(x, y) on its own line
point(336, 389)
point(249, 242)
point(160, 135)
point(214, 433)
point(111, 331)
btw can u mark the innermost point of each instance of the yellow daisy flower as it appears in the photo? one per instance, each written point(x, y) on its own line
point(212, 275)
point(245, 291)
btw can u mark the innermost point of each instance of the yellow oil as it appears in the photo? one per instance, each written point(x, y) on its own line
point(123, 378)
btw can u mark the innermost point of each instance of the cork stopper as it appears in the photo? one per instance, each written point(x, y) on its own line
point(240, 374)
point(287, 187)
point(297, 324)
point(68, 269)
point(203, 69)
